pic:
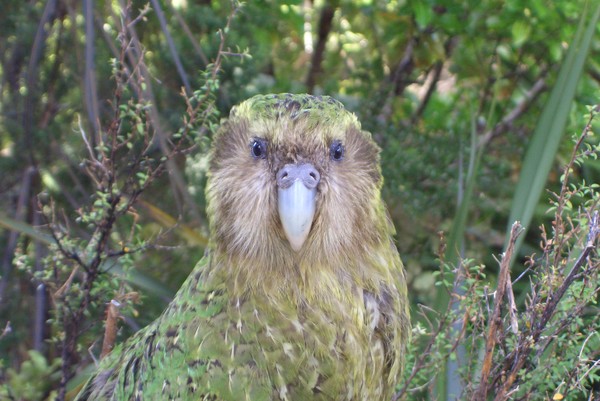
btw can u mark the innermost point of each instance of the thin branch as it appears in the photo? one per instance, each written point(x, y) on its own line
point(325, 24)
point(563, 196)
point(31, 78)
point(13, 236)
point(550, 308)
point(91, 153)
point(176, 59)
point(90, 89)
point(111, 327)
point(40, 325)
point(569, 167)
point(495, 325)
point(140, 17)
point(403, 69)
point(512, 308)
point(574, 274)
point(188, 32)
point(508, 121)
point(7, 330)
point(176, 177)
point(424, 357)
point(437, 73)
point(438, 67)
point(396, 82)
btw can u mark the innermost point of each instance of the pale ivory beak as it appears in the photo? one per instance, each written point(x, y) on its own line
point(297, 194)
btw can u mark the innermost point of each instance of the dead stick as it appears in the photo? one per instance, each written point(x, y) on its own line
point(110, 331)
point(496, 320)
point(574, 273)
point(509, 119)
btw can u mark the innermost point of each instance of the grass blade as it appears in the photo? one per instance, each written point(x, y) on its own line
point(549, 130)
point(24, 228)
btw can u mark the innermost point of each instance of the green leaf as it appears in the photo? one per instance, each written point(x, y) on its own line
point(549, 130)
point(423, 13)
point(134, 277)
point(520, 32)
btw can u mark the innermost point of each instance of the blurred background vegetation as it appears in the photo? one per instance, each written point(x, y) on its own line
point(449, 89)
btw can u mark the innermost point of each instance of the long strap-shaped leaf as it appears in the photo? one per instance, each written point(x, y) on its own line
point(537, 164)
point(550, 128)
point(135, 277)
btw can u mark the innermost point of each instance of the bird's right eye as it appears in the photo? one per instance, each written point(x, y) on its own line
point(258, 148)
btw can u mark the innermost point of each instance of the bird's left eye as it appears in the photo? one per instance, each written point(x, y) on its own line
point(258, 148)
point(337, 151)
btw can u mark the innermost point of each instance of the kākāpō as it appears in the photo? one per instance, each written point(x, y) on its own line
point(302, 294)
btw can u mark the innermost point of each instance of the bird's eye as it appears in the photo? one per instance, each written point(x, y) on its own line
point(337, 151)
point(258, 148)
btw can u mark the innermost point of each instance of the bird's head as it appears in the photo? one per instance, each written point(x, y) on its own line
point(294, 178)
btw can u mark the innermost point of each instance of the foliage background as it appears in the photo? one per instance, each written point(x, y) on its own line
point(433, 80)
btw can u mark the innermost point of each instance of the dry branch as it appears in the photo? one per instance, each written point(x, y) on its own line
point(325, 23)
point(520, 355)
point(508, 121)
point(495, 325)
point(542, 313)
point(171, 44)
point(111, 327)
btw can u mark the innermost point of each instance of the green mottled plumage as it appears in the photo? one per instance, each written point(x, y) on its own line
point(256, 320)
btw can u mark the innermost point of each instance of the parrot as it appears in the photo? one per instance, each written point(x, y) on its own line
point(301, 293)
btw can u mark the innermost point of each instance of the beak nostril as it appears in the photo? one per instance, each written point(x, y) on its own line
point(290, 173)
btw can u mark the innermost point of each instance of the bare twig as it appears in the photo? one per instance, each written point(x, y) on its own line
point(40, 320)
point(594, 363)
point(188, 32)
point(40, 317)
point(90, 89)
point(550, 308)
point(496, 318)
point(396, 82)
point(111, 327)
point(424, 358)
point(438, 67)
point(135, 52)
point(176, 59)
point(126, 12)
point(67, 284)
point(91, 152)
point(562, 198)
point(512, 308)
point(404, 68)
point(116, 192)
point(542, 313)
point(435, 77)
point(325, 23)
point(7, 330)
point(574, 273)
point(507, 122)
point(31, 77)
